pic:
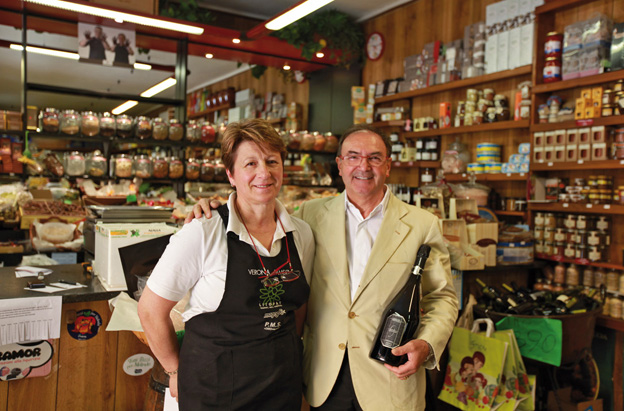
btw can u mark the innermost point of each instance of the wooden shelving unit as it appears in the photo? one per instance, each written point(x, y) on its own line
point(391, 123)
point(598, 121)
point(203, 113)
point(607, 209)
point(579, 82)
point(489, 177)
point(578, 165)
point(511, 213)
point(500, 125)
point(577, 261)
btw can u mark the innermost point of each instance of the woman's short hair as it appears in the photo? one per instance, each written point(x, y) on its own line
point(255, 130)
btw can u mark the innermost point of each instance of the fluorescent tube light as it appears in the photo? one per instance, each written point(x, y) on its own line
point(163, 85)
point(295, 13)
point(124, 107)
point(117, 15)
point(47, 52)
point(142, 66)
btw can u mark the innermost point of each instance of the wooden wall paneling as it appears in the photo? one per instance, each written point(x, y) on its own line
point(617, 11)
point(21, 393)
point(408, 176)
point(130, 390)
point(4, 395)
point(86, 381)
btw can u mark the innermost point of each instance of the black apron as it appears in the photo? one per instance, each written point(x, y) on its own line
point(246, 355)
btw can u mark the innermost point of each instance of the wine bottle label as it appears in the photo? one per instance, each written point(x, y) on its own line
point(394, 328)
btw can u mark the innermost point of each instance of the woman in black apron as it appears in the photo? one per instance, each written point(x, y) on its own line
point(246, 354)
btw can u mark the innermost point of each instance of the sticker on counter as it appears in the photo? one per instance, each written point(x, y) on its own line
point(23, 360)
point(138, 364)
point(85, 326)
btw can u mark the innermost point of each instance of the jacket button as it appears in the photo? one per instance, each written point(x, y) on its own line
point(342, 346)
point(351, 314)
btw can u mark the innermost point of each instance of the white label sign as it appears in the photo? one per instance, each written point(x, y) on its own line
point(138, 364)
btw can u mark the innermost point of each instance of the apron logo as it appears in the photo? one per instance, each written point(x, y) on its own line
point(270, 296)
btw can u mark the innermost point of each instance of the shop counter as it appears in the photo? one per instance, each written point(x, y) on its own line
point(92, 369)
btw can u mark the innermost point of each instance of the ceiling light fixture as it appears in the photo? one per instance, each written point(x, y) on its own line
point(320, 55)
point(301, 10)
point(163, 85)
point(209, 55)
point(286, 67)
point(124, 107)
point(236, 41)
point(47, 52)
point(127, 17)
point(142, 66)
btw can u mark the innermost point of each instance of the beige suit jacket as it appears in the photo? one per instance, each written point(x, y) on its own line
point(335, 323)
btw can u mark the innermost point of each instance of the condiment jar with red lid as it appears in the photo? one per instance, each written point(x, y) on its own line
point(553, 44)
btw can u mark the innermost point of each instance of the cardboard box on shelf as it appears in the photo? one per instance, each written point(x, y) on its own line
point(14, 121)
point(463, 256)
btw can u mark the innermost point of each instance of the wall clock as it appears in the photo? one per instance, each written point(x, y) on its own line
point(375, 46)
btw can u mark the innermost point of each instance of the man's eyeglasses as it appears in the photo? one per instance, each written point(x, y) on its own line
point(355, 160)
point(277, 277)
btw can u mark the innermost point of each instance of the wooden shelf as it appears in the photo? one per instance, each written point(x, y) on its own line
point(578, 165)
point(391, 123)
point(416, 164)
point(579, 82)
point(558, 5)
point(511, 213)
point(610, 322)
point(598, 121)
point(500, 125)
point(210, 110)
point(12, 132)
point(489, 177)
point(608, 209)
point(456, 84)
point(584, 262)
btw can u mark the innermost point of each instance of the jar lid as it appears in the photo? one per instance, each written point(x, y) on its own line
point(552, 58)
point(553, 33)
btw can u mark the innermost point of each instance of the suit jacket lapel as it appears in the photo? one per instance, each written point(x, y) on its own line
point(392, 233)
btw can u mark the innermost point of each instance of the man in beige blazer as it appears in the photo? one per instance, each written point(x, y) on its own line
point(342, 316)
point(366, 244)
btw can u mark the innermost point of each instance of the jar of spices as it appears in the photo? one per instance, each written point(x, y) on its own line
point(570, 221)
point(176, 130)
point(160, 129)
point(176, 167)
point(75, 164)
point(160, 167)
point(552, 46)
point(552, 69)
point(613, 280)
point(192, 169)
point(143, 127)
point(588, 277)
point(123, 165)
point(193, 133)
point(124, 126)
point(90, 124)
point(70, 122)
point(594, 238)
point(206, 173)
point(599, 277)
point(572, 275)
point(142, 166)
point(107, 125)
point(96, 164)
point(618, 86)
point(50, 120)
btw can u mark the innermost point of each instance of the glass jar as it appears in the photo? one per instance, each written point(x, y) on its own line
point(581, 252)
point(552, 69)
point(477, 117)
point(588, 277)
point(621, 287)
point(220, 175)
point(599, 277)
point(615, 307)
point(176, 167)
point(207, 170)
point(160, 129)
point(75, 164)
point(192, 169)
point(96, 164)
point(539, 219)
point(176, 130)
point(143, 127)
point(50, 120)
point(572, 275)
point(208, 133)
point(426, 175)
point(107, 125)
point(70, 122)
point(471, 94)
point(193, 133)
point(552, 46)
point(123, 165)
point(570, 251)
point(142, 166)
point(581, 222)
point(124, 126)
point(613, 280)
point(549, 220)
point(549, 234)
point(90, 124)
point(160, 167)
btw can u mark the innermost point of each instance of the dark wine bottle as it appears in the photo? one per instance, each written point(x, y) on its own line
point(402, 315)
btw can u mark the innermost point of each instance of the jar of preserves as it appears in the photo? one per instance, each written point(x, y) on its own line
point(90, 124)
point(548, 248)
point(615, 307)
point(570, 251)
point(220, 175)
point(123, 165)
point(607, 110)
point(549, 234)
point(581, 252)
point(70, 122)
point(192, 169)
point(160, 129)
point(160, 167)
point(143, 127)
point(572, 275)
point(96, 164)
point(207, 171)
point(560, 235)
point(193, 133)
point(50, 120)
point(539, 219)
point(208, 133)
point(176, 130)
point(599, 277)
point(560, 270)
point(552, 46)
point(176, 167)
point(123, 124)
point(617, 151)
point(75, 164)
point(613, 280)
point(588, 277)
point(539, 247)
point(594, 253)
point(602, 223)
point(549, 220)
point(107, 125)
point(581, 222)
point(538, 233)
point(552, 69)
point(142, 166)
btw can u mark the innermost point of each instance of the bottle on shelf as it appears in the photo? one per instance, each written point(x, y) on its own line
point(401, 317)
